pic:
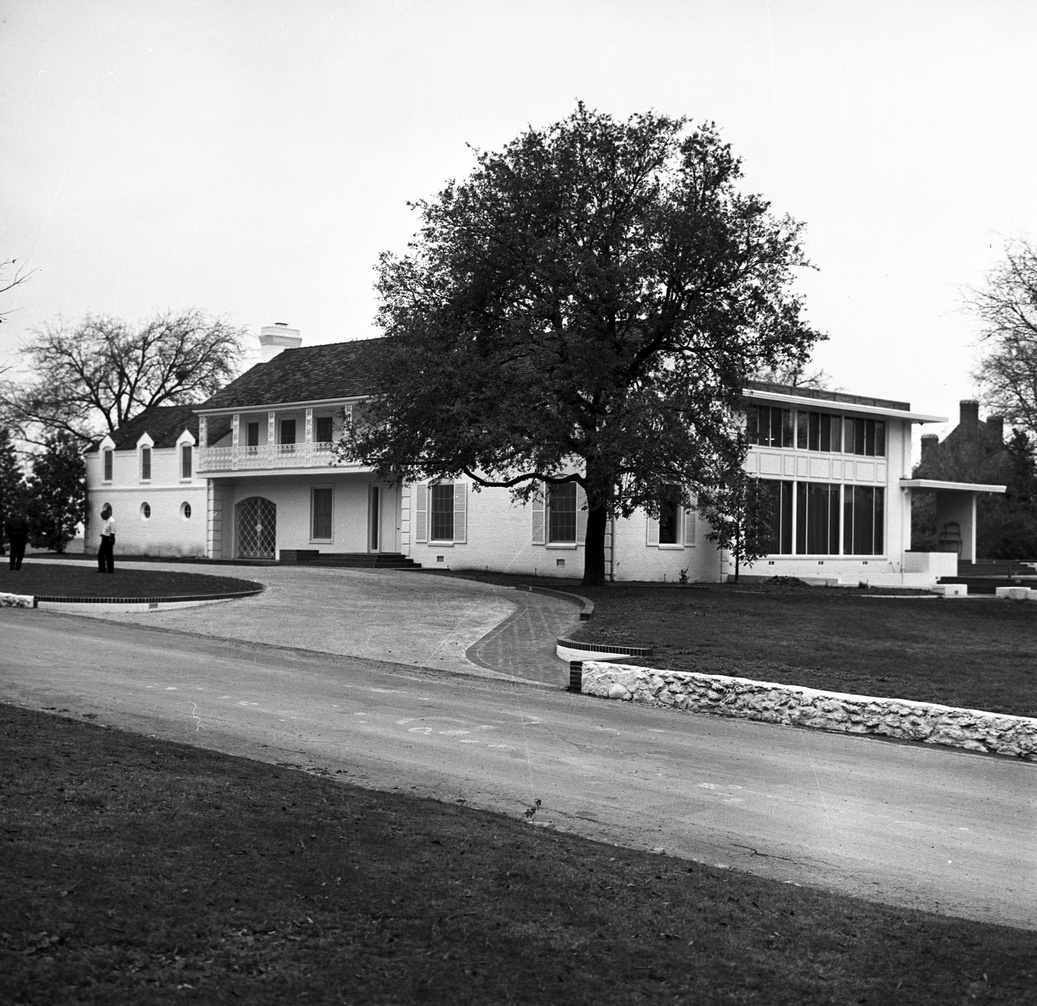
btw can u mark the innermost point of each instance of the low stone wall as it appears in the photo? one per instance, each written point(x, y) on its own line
point(15, 601)
point(793, 705)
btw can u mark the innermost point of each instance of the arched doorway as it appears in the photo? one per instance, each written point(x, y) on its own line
point(257, 528)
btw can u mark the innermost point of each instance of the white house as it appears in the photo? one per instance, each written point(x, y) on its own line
point(147, 472)
point(837, 466)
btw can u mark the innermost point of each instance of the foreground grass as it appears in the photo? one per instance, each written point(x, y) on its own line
point(139, 871)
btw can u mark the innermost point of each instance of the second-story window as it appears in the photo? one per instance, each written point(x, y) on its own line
point(866, 437)
point(251, 438)
point(185, 461)
point(108, 464)
point(769, 426)
point(145, 464)
point(287, 441)
point(322, 429)
point(819, 431)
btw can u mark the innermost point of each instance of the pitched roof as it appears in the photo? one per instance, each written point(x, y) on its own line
point(307, 374)
point(163, 423)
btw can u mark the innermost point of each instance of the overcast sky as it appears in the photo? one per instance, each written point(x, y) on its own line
point(253, 157)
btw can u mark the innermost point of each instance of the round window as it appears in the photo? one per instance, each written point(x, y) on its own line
point(185, 510)
point(145, 510)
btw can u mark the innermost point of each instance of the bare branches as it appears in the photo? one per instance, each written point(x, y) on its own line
point(91, 378)
point(1007, 310)
point(8, 283)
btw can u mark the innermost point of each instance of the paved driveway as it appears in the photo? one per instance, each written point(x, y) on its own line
point(404, 617)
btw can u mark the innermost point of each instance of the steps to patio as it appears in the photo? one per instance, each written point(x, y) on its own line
point(986, 575)
point(347, 560)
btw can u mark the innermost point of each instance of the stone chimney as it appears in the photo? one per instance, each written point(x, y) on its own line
point(276, 337)
point(968, 413)
point(996, 425)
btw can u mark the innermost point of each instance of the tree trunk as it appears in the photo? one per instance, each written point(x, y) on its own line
point(594, 546)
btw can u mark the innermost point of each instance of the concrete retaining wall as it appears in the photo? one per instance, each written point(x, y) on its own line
point(793, 705)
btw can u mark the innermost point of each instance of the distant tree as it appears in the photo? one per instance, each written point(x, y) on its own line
point(1007, 311)
point(89, 379)
point(585, 307)
point(741, 515)
point(12, 279)
point(57, 492)
point(1007, 525)
point(797, 375)
point(11, 481)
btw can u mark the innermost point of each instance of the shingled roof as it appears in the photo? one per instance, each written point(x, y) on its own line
point(307, 374)
point(163, 423)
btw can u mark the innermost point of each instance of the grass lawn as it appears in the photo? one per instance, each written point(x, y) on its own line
point(139, 871)
point(79, 578)
point(974, 652)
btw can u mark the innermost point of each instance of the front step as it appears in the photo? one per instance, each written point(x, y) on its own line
point(347, 560)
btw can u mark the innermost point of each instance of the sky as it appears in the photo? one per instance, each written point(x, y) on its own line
point(252, 158)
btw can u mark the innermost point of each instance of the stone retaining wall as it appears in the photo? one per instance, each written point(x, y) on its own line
point(793, 705)
point(15, 601)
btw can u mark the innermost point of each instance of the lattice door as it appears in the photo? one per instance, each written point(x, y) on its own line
point(257, 528)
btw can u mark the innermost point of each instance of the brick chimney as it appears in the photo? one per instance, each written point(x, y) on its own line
point(996, 425)
point(275, 338)
point(968, 412)
point(930, 443)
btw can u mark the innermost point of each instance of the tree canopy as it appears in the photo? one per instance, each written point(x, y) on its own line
point(90, 378)
point(586, 306)
point(1007, 311)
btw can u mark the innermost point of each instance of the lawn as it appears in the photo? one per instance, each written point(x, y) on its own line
point(972, 652)
point(79, 578)
point(139, 871)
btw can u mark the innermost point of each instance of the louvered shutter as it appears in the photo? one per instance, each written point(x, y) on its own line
point(581, 515)
point(691, 520)
point(539, 517)
point(653, 531)
point(421, 513)
point(460, 512)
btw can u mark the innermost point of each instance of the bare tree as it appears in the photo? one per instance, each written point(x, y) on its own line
point(8, 283)
point(1007, 310)
point(91, 378)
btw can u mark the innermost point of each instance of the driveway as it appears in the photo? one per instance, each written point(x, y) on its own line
point(403, 617)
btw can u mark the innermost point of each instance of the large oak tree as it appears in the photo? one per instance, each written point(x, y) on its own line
point(586, 306)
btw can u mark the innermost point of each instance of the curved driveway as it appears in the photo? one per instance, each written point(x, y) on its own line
point(403, 617)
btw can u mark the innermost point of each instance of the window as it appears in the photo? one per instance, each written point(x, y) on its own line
point(185, 510)
point(817, 518)
point(866, 437)
point(108, 456)
point(185, 461)
point(863, 516)
point(251, 437)
point(321, 498)
point(287, 441)
point(441, 512)
point(145, 464)
point(769, 426)
point(561, 513)
point(145, 511)
point(323, 432)
point(779, 499)
point(670, 521)
point(819, 431)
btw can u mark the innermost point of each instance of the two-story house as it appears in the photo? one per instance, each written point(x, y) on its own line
point(837, 468)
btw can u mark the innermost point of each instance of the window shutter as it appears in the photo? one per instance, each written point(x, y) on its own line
point(421, 513)
point(539, 517)
point(691, 520)
point(460, 511)
point(653, 531)
point(581, 515)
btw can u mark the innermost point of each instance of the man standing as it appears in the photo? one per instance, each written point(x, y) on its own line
point(106, 553)
point(17, 536)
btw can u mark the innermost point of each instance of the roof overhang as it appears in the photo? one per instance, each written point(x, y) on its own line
point(968, 487)
point(835, 404)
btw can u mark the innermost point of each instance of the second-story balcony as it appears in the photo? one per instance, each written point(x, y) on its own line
point(265, 457)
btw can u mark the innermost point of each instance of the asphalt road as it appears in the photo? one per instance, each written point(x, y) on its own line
point(938, 829)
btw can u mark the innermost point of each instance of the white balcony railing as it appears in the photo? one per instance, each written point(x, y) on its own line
point(265, 457)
